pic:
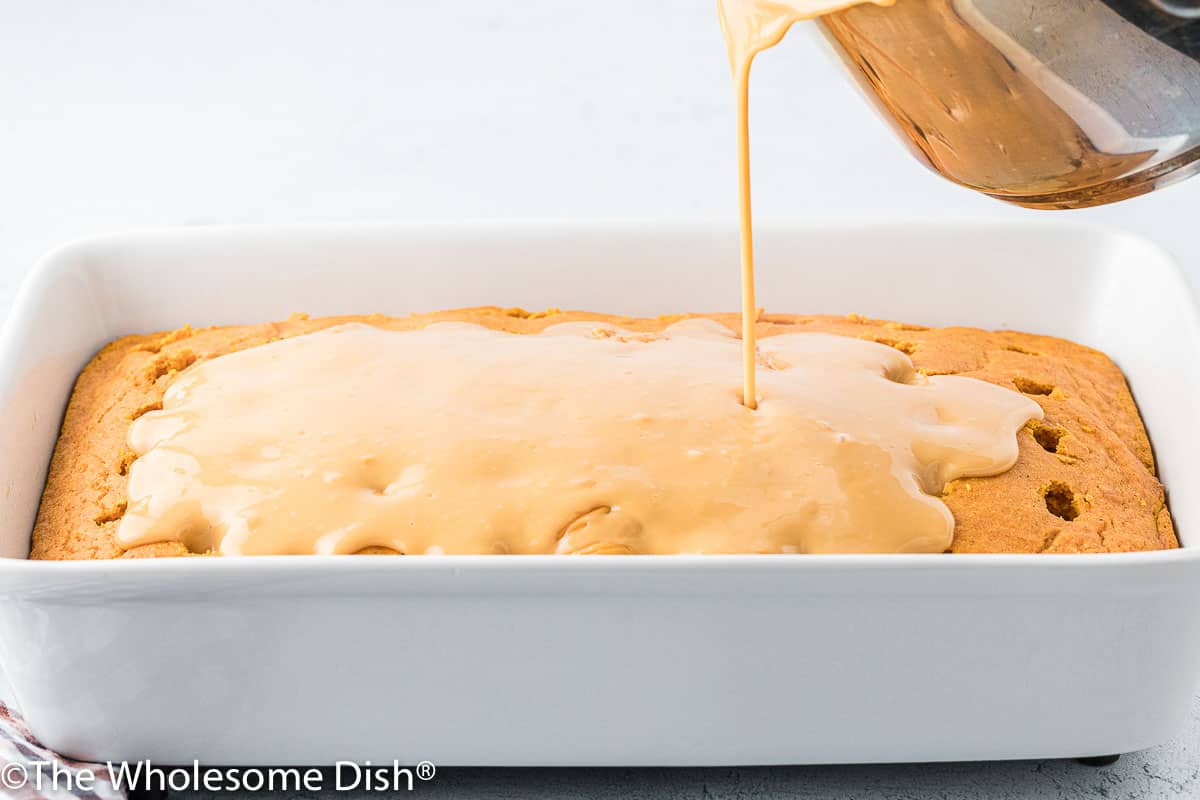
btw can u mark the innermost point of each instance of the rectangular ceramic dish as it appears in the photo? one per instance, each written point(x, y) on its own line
point(605, 660)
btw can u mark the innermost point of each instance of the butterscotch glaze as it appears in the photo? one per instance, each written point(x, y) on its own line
point(585, 438)
point(751, 26)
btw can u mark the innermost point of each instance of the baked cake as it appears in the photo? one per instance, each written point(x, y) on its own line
point(1084, 480)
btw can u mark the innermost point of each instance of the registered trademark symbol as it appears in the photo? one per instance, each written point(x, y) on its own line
point(426, 770)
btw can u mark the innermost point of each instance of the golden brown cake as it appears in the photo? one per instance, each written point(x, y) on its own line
point(1084, 481)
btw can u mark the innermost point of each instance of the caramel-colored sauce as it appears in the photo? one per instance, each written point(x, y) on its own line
point(751, 26)
point(585, 438)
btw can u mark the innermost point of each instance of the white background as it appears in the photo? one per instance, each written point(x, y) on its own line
point(128, 114)
point(120, 115)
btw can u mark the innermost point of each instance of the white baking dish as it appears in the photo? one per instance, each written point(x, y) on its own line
point(604, 660)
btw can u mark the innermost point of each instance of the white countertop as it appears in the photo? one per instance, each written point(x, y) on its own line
point(138, 114)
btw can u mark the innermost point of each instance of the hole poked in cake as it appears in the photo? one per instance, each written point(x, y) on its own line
point(166, 364)
point(408, 483)
point(145, 409)
point(604, 549)
point(1016, 348)
point(582, 521)
point(111, 514)
point(1031, 386)
point(603, 530)
point(1061, 501)
point(1048, 436)
point(125, 461)
point(378, 550)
